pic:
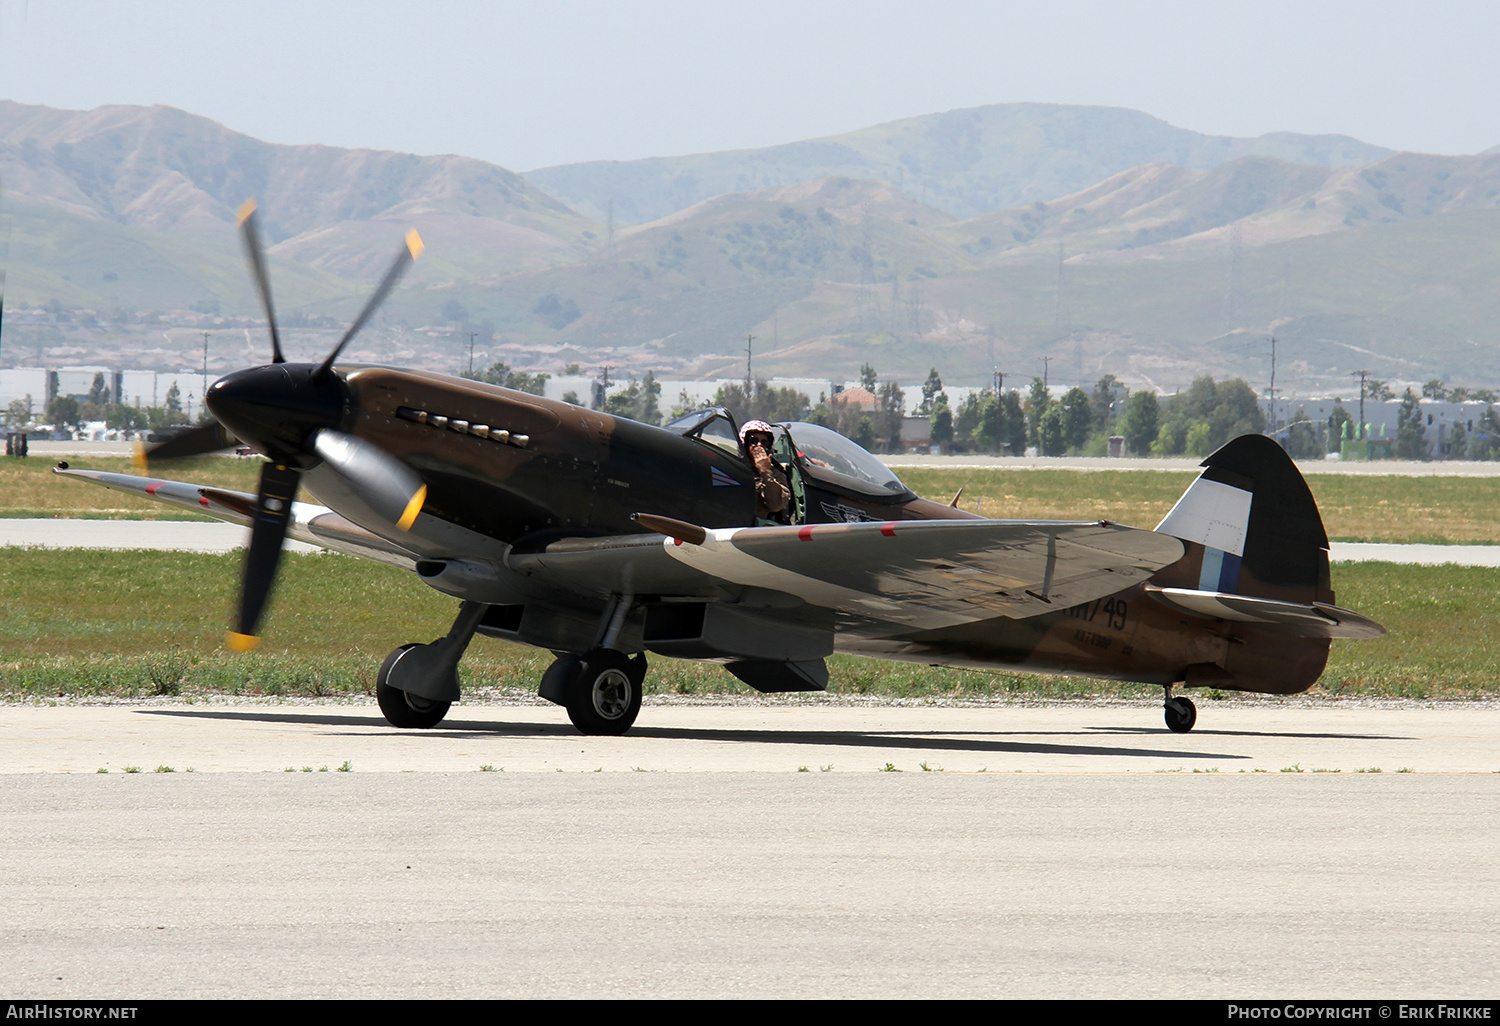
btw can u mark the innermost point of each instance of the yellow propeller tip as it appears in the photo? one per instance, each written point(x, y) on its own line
point(246, 209)
point(241, 642)
point(414, 243)
point(138, 457)
point(413, 507)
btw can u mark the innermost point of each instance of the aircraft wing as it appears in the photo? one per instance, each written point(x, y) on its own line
point(921, 574)
point(310, 522)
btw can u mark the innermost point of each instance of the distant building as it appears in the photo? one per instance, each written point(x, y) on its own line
point(1383, 417)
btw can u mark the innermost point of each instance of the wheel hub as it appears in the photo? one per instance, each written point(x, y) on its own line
point(612, 694)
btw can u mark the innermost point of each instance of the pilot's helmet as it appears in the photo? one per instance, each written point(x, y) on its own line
point(757, 431)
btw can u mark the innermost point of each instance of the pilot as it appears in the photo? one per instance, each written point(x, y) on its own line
point(772, 495)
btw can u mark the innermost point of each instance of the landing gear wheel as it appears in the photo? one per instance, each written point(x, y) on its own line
point(605, 696)
point(1181, 714)
point(402, 708)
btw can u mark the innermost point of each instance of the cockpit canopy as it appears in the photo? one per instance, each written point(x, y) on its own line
point(831, 459)
point(824, 455)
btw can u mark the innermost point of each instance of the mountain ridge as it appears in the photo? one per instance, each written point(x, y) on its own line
point(967, 161)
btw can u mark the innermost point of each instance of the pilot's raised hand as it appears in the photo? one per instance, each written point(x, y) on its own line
point(760, 457)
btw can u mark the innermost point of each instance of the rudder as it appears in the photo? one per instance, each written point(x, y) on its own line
point(1259, 525)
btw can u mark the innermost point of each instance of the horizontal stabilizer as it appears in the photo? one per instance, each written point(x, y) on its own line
point(1295, 619)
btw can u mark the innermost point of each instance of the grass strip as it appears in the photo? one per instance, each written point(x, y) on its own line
point(134, 624)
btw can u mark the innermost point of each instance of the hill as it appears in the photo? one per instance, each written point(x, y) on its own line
point(966, 162)
point(169, 173)
point(1178, 264)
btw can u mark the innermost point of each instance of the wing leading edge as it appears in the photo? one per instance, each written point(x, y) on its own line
point(310, 522)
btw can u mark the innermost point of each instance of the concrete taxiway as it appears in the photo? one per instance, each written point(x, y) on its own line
point(769, 735)
point(692, 858)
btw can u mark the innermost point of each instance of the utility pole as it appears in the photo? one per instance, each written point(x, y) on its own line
point(1045, 361)
point(749, 343)
point(1275, 419)
point(1362, 375)
point(997, 382)
point(205, 365)
point(471, 352)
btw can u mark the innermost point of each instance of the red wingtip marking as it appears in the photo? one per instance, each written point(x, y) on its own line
point(676, 541)
point(805, 534)
point(203, 501)
point(889, 530)
point(151, 488)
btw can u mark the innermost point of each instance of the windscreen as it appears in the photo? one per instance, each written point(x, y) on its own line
point(829, 457)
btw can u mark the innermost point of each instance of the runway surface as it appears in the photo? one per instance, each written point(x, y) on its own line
point(767, 736)
point(195, 536)
point(1413, 468)
point(1088, 861)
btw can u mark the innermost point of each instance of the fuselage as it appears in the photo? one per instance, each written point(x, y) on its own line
point(523, 472)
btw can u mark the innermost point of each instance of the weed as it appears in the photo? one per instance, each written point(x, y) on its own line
point(1296, 768)
point(489, 768)
point(803, 769)
point(825, 769)
point(165, 769)
point(346, 767)
point(101, 769)
point(1406, 769)
point(132, 769)
point(322, 769)
point(889, 767)
point(1371, 769)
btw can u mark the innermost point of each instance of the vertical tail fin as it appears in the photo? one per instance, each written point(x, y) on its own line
point(1258, 523)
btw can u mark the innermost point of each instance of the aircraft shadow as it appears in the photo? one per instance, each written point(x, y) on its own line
point(969, 741)
point(1264, 733)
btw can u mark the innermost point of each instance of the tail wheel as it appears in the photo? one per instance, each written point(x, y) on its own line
point(402, 708)
point(1181, 714)
point(605, 696)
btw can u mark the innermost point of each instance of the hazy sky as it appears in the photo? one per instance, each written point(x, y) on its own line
point(526, 85)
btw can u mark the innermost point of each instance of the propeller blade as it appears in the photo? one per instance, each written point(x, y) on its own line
point(273, 507)
point(409, 253)
point(262, 281)
point(392, 489)
point(205, 438)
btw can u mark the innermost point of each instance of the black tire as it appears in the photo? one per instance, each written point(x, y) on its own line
point(605, 696)
point(1181, 714)
point(403, 709)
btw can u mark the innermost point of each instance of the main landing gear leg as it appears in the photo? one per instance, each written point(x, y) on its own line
point(601, 689)
point(417, 683)
point(1181, 713)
